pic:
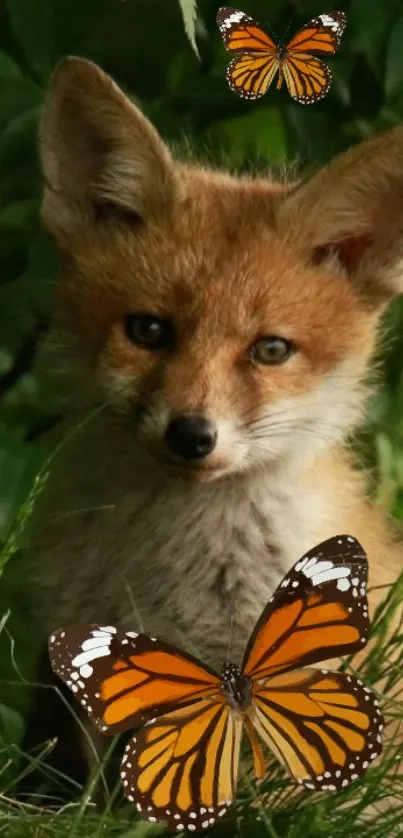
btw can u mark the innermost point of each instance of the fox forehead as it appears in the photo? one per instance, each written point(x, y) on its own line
point(216, 264)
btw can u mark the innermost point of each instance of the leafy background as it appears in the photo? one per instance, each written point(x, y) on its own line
point(169, 57)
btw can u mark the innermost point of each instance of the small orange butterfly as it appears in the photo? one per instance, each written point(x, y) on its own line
point(252, 71)
point(182, 765)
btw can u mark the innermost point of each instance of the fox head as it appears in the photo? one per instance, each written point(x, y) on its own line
point(230, 320)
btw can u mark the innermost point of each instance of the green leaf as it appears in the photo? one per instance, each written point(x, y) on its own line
point(8, 68)
point(11, 725)
point(18, 214)
point(394, 67)
point(189, 14)
point(18, 92)
point(369, 21)
point(256, 137)
point(33, 24)
point(18, 145)
point(314, 133)
point(19, 462)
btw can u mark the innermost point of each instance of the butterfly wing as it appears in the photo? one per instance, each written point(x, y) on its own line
point(319, 611)
point(251, 72)
point(122, 678)
point(183, 766)
point(241, 32)
point(325, 727)
point(321, 36)
point(251, 75)
point(307, 78)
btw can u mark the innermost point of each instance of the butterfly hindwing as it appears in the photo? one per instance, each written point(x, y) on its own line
point(319, 611)
point(122, 678)
point(325, 727)
point(183, 766)
point(250, 76)
point(308, 79)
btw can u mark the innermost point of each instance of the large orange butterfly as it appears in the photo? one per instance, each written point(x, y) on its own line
point(181, 766)
point(253, 69)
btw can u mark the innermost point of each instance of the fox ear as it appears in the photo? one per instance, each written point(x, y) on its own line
point(352, 210)
point(99, 152)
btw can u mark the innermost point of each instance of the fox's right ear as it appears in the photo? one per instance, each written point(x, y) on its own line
point(99, 152)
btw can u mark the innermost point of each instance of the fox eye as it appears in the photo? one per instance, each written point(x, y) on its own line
point(272, 350)
point(149, 331)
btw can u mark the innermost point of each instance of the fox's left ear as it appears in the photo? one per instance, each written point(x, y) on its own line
point(353, 209)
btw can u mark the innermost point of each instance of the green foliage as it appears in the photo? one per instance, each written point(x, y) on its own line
point(169, 57)
point(189, 11)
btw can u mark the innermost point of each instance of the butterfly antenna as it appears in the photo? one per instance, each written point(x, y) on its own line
point(271, 30)
point(287, 29)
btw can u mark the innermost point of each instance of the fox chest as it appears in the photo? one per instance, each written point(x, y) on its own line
point(177, 564)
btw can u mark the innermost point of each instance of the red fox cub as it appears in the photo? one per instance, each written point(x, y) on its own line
point(221, 329)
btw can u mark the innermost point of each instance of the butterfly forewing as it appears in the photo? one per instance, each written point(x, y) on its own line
point(321, 36)
point(183, 766)
point(319, 611)
point(239, 31)
point(122, 678)
point(325, 727)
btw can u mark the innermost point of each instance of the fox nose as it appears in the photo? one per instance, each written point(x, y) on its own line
point(192, 437)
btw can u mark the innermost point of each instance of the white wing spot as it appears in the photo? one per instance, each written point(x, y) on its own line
point(321, 574)
point(332, 24)
point(301, 564)
point(236, 17)
point(96, 643)
point(86, 657)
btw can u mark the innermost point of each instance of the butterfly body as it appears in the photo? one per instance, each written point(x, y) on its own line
point(181, 764)
point(236, 688)
point(257, 58)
